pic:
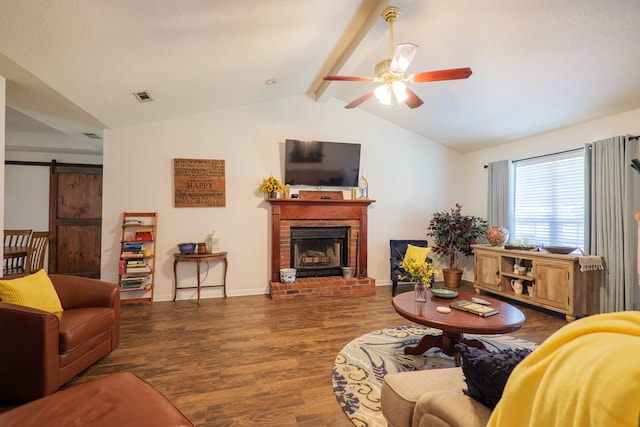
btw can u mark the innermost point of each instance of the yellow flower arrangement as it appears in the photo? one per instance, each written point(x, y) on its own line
point(271, 185)
point(419, 271)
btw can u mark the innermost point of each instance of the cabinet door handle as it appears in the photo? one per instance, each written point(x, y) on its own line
point(497, 272)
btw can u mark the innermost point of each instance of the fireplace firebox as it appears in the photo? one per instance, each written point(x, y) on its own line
point(319, 251)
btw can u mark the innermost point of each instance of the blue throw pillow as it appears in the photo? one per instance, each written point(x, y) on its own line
point(486, 372)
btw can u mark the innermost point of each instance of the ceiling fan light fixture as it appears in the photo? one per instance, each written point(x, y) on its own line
point(399, 91)
point(391, 93)
point(391, 73)
point(383, 93)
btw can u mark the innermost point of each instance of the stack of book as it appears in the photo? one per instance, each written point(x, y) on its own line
point(144, 234)
point(133, 283)
point(130, 250)
point(137, 266)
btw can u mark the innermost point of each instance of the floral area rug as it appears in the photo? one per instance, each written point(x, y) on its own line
point(361, 365)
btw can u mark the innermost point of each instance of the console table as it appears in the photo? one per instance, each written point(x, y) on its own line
point(198, 258)
point(555, 281)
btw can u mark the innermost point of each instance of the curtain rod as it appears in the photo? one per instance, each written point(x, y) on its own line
point(544, 155)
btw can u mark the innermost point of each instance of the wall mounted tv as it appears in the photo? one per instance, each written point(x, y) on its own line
point(321, 164)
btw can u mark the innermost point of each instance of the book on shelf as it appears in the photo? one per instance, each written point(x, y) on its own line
point(133, 222)
point(132, 247)
point(475, 308)
point(144, 231)
point(132, 283)
point(132, 279)
point(145, 269)
point(132, 255)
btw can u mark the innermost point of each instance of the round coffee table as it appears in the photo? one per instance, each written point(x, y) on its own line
point(456, 323)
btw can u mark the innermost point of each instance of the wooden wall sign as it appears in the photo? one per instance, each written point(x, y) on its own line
point(199, 183)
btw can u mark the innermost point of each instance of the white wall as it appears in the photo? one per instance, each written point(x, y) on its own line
point(26, 197)
point(408, 176)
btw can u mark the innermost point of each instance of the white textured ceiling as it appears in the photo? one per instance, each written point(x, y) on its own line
point(537, 65)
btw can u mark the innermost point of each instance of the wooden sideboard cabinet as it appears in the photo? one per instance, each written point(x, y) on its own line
point(551, 281)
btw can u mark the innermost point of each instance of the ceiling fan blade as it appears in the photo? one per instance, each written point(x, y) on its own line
point(452, 74)
point(402, 57)
point(413, 101)
point(355, 103)
point(349, 78)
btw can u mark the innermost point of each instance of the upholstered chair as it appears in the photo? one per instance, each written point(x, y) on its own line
point(42, 350)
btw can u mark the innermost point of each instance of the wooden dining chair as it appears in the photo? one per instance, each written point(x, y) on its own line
point(17, 237)
point(37, 249)
point(14, 242)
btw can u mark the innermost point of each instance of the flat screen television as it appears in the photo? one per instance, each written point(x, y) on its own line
point(320, 163)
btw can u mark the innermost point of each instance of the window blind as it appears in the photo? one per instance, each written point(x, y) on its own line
point(549, 199)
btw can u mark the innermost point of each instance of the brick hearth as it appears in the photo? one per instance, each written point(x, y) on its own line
point(287, 213)
point(310, 287)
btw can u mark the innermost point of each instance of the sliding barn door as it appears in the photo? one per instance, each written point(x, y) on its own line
point(75, 220)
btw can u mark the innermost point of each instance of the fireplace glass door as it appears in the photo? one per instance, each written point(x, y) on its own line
point(319, 251)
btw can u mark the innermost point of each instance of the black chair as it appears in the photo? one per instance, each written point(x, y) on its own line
point(397, 250)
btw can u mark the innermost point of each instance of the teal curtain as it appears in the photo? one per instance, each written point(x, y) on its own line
point(500, 203)
point(610, 224)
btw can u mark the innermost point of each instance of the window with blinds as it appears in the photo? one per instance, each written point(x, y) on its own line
point(549, 199)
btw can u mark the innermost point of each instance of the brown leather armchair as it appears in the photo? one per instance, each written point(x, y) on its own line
point(40, 351)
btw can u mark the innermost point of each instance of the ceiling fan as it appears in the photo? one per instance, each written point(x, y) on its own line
point(391, 73)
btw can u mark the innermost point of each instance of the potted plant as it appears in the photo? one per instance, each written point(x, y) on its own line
point(454, 233)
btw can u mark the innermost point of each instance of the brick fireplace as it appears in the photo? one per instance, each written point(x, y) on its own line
point(349, 216)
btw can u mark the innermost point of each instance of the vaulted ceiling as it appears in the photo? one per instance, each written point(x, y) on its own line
point(538, 65)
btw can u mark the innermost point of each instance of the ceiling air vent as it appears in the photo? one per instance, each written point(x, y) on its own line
point(91, 135)
point(143, 96)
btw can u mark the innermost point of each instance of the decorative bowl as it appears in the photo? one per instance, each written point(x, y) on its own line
point(563, 250)
point(288, 275)
point(444, 293)
point(187, 248)
point(497, 236)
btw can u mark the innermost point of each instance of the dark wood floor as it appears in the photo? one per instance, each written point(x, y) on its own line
point(251, 361)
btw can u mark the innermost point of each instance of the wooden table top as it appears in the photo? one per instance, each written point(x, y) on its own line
point(196, 257)
point(509, 318)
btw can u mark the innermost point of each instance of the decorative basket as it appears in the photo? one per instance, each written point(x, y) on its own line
point(288, 275)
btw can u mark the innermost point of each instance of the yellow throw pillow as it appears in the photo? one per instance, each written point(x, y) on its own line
point(34, 290)
point(416, 252)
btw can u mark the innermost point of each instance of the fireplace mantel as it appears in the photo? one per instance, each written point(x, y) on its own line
point(313, 209)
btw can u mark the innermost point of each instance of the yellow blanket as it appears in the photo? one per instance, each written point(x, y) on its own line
point(585, 374)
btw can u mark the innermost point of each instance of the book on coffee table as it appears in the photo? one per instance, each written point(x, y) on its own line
point(475, 308)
